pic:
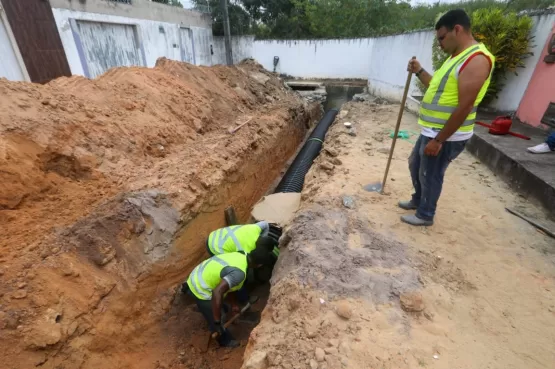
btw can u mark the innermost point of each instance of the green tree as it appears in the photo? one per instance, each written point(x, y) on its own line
point(240, 22)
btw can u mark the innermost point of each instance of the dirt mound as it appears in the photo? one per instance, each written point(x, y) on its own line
point(333, 270)
point(108, 188)
point(342, 256)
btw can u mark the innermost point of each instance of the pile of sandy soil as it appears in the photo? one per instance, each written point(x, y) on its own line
point(108, 188)
point(356, 288)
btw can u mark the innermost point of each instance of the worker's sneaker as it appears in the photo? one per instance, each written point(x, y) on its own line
point(408, 205)
point(416, 221)
point(540, 149)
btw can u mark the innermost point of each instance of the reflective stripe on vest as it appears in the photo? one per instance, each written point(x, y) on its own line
point(234, 239)
point(435, 111)
point(218, 239)
point(275, 251)
point(202, 288)
point(198, 284)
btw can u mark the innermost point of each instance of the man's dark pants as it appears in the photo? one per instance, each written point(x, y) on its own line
point(551, 141)
point(427, 174)
point(205, 308)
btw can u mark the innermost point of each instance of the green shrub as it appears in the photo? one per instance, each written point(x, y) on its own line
point(506, 35)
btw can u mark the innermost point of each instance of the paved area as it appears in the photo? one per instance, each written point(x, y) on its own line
point(532, 175)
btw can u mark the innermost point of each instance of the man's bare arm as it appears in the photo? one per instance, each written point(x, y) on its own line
point(471, 80)
point(425, 78)
point(217, 299)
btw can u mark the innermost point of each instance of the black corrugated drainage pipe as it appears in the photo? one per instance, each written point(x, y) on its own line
point(293, 180)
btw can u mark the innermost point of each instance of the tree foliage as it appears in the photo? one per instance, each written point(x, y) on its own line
point(310, 19)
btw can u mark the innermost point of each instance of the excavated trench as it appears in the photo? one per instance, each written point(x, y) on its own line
point(95, 283)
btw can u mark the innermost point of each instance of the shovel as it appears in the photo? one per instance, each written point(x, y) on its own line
point(380, 186)
point(226, 325)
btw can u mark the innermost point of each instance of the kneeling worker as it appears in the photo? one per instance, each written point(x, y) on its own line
point(241, 238)
point(214, 278)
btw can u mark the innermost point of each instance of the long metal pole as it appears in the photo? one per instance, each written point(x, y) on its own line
point(401, 109)
point(227, 33)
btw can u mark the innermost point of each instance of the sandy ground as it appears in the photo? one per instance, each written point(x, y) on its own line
point(356, 288)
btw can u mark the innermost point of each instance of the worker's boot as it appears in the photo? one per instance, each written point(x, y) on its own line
point(227, 340)
point(416, 221)
point(408, 205)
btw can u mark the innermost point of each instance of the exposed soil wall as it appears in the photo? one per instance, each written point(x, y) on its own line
point(108, 189)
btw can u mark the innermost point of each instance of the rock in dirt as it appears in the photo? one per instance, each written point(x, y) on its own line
point(383, 150)
point(258, 360)
point(331, 350)
point(344, 310)
point(327, 166)
point(336, 161)
point(343, 114)
point(319, 354)
point(333, 343)
point(313, 364)
point(20, 294)
point(348, 202)
point(344, 348)
point(331, 152)
point(412, 302)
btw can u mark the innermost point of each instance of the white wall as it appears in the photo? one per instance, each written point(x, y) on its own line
point(241, 47)
point(390, 55)
point(10, 66)
point(156, 39)
point(348, 58)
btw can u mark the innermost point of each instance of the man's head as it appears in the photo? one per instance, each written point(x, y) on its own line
point(259, 257)
point(453, 30)
point(266, 243)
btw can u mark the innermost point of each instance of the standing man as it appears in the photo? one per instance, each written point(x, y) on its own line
point(447, 113)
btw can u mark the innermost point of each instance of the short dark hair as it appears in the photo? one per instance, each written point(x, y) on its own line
point(266, 243)
point(452, 18)
point(260, 256)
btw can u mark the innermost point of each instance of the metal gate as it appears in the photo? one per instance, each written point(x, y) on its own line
point(108, 45)
point(37, 37)
point(187, 45)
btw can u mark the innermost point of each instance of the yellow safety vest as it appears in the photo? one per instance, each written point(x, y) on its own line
point(442, 96)
point(235, 238)
point(206, 276)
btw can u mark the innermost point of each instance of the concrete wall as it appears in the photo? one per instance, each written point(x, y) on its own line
point(11, 63)
point(241, 46)
point(158, 33)
point(541, 89)
point(389, 57)
point(140, 9)
point(347, 58)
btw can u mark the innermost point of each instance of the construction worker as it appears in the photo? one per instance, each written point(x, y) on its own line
point(447, 112)
point(240, 238)
point(213, 279)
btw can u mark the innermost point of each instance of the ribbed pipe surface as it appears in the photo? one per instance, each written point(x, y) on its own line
point(293, 180)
